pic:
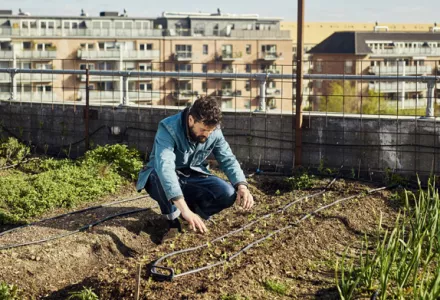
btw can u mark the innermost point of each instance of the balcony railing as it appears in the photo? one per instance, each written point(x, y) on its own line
point(116, 54)
point(230, 56)
point(81, 32)
point(185, 94)
point(30, 96)
point(270, 56)
point(29, 54)
point(229, 93)
point(270, 71)
point(113, 97)
point(406, 51)
point(395, 87)
point(26, 77)
point(183, 56)
point(273, 92)
point(393, 70)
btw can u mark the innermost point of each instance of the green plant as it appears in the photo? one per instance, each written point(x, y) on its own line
point(8, 292)
point(12, 152)
point(301, 181)
point(275, 286)
point(124, 160)
point(84, 294)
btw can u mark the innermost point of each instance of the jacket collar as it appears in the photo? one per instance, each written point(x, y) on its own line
point(185, 115)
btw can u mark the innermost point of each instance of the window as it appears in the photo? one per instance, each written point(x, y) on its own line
point(349, 66)
point(105, 86)
point(145, 67)
point(144, 47)
point(318, 66)
point(205, 49)
point(183, 68)
point(248, 68)
point(145, 86)
point(204, 86)
point(105, 66)
point(269, 48)
point(183, 48)
point(248, 85)
point(44, 66)
point(248, 49)
point(204, 68)
point(27, 45)
point(318, 84)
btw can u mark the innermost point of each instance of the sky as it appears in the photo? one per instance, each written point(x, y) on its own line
point(385, 11)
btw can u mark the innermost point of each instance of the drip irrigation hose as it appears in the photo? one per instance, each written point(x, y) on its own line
point(170, 276)
point(162, 277)
point(83, 228)
point(72, 213)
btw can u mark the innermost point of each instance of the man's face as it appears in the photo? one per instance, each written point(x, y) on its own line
point(198, 131)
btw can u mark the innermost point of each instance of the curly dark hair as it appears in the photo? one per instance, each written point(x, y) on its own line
point(206, 109)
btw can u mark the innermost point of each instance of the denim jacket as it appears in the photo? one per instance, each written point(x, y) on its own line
point(173, 150)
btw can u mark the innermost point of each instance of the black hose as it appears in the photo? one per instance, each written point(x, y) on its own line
point(71, 213)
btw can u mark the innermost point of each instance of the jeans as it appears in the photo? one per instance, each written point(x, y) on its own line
point(205, 195)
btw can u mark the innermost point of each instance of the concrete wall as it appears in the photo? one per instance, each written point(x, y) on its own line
point(367, 144)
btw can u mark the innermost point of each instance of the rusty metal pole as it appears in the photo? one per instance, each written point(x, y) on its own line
point(86, 110)
point(299, 84)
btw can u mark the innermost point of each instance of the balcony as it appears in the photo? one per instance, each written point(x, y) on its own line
point(80, 32)
point(185, 95)
point(114, 97)
point(397, 87)
point(398, 70)
point(401, 52)
point(27, 77)
point(30, 97)
point(29, 54)
point(229, 93)
point(269, 56)
point(273, 92)
point(230, 56)
point(116, 54)
point(99, 78)
point(270, 71)
point(183, 56)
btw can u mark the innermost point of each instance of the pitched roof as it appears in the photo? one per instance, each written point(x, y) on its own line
point(353, 42)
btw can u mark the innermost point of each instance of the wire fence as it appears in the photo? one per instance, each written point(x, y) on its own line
point(368, 116)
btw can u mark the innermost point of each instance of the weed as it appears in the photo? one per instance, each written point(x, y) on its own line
point(276, 287)
point(84, 294)
point(8, 292)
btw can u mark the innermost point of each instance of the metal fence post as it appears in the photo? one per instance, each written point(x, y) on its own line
point(262, 106)
point(125, 100)
point(13, 89)
point(430, 102)
point(86, 110)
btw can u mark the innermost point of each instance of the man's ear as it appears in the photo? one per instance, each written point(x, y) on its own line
point(190, 120)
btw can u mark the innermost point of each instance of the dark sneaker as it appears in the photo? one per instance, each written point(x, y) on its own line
point(173, 230)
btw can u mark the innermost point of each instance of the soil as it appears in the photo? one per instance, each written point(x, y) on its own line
point(301, 259)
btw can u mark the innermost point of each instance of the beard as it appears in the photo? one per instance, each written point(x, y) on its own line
point(197, 138)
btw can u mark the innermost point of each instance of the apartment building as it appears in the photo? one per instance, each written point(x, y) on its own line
point(316, 32)
point(182, 42)
point(379, 53)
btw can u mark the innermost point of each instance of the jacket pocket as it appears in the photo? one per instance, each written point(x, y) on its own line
point(182, 157)
point(200, 157)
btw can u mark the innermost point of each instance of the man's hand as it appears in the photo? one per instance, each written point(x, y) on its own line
point(195, 222)
point(244, 197)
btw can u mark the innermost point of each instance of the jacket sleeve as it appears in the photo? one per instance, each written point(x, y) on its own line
point(165, 163)
point(227, 160)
